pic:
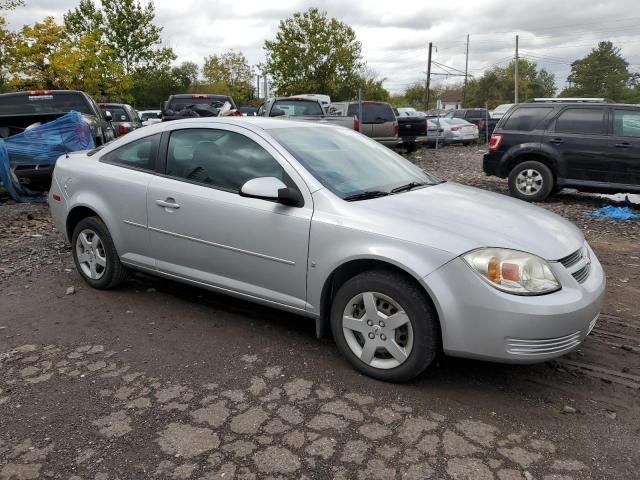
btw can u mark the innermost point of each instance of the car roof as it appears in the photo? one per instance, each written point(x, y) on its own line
point(576, 104)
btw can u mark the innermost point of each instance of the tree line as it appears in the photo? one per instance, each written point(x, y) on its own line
point(113, 50)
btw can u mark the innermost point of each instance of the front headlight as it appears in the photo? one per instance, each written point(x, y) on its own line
point(512, 271)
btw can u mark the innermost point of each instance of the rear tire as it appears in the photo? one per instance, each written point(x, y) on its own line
point(397, 351)
point(95, 255)
point(531, 181)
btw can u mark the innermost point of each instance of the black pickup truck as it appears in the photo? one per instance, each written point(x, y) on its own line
point(19, 110)
point(480, 117)
point(412, 131)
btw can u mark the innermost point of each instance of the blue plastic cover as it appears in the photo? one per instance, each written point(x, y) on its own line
point(41, 145)
point(614, 213)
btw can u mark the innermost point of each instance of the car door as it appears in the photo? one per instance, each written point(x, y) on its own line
point(202, 230)
point(624, 146)
point(126, 174)
point(578, 135)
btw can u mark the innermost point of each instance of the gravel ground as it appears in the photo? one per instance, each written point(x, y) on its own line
point(165, 381)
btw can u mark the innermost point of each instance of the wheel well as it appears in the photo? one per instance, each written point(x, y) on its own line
point(349, 270)
point(75, 215)
point(526, 157)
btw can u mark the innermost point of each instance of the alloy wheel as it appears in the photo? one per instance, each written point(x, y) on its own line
point(91, 254)
point(529, 181)
point(377, 330)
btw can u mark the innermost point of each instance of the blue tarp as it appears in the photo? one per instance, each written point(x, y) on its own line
point(41, 145)
point(614, 213)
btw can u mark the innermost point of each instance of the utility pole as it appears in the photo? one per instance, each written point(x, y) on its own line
point(428, 82)
point(516, 72)
point(466, 71)
point(257, 86)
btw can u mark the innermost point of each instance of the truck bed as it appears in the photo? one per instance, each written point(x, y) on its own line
point(13, 124)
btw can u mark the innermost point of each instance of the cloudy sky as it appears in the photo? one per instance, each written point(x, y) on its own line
point(395, 35)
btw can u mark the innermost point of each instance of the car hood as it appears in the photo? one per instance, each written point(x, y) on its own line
point(457, 219)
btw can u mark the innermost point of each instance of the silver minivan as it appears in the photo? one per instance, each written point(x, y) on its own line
point(378, 120)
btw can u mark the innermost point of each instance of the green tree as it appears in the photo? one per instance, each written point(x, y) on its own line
point(35, 48)
point(372, 88)
point(84, 19)
point(89, 65)
point(314, 54)
point(10, 4)
point(152, 86)
point(7, 45)
point(230, 74)
point(602, 73)
point(414, 96)
point(186, 75)
point(496, 86)
point(131, 34)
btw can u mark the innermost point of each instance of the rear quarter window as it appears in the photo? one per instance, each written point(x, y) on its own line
point(377, 113)
point(585, 121)
point(526, 119)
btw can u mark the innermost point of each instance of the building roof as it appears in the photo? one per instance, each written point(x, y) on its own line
point(451, 96)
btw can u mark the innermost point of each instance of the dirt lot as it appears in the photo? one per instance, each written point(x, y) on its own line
point(161, 380)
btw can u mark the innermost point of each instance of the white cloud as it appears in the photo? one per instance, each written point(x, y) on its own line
point(395, 36)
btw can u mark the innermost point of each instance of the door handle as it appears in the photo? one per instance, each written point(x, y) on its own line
point(624, 145)
point(557, 141)
point(168, 203)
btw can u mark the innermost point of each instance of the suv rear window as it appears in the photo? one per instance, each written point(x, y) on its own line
point(526, 119)
point(118, 114)
point(25, 104)
point(587, 121)
point(373, 112)
point(472, 114)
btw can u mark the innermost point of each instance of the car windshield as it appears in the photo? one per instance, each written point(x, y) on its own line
point(294, 108)
point(52, 102)
point(348, 163)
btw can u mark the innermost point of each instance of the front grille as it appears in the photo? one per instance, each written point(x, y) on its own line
point(542, 347)
point(582, 274)
point(572, 259)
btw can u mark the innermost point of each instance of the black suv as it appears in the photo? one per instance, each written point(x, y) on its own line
point(545, 146)
point(186, 105)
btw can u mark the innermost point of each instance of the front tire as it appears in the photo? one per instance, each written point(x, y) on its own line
point(95, 254)
point(531, 181)
point(384, 324)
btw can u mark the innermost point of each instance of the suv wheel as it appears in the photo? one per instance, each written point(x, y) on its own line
point(531, 181)
point(385, 326)
point(95, 255)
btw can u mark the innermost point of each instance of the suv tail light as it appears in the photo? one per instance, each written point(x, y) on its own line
point(494, 143)
point(396, 129)
point(122, 130)
point(455, 129)
point(238, 113)
point(356, 124)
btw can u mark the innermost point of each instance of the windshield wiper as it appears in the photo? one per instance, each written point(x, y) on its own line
point(407, 187)
point(366, 195)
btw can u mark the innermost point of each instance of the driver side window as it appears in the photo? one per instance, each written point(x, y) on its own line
point(219, 158)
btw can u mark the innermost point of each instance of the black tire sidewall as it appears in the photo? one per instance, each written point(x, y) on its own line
point(113, 261)
point(548, 182)
point(426, 337)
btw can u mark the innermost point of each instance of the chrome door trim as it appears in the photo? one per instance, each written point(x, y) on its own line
point(226, 247)
point(129, 222)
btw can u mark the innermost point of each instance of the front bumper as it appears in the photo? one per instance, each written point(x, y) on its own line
point(479, 321)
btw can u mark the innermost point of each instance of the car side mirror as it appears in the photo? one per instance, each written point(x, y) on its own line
point(108, 116)
point(272, 189)
point(276, 112)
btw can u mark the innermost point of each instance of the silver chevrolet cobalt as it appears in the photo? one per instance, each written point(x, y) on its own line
point(322, 221)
